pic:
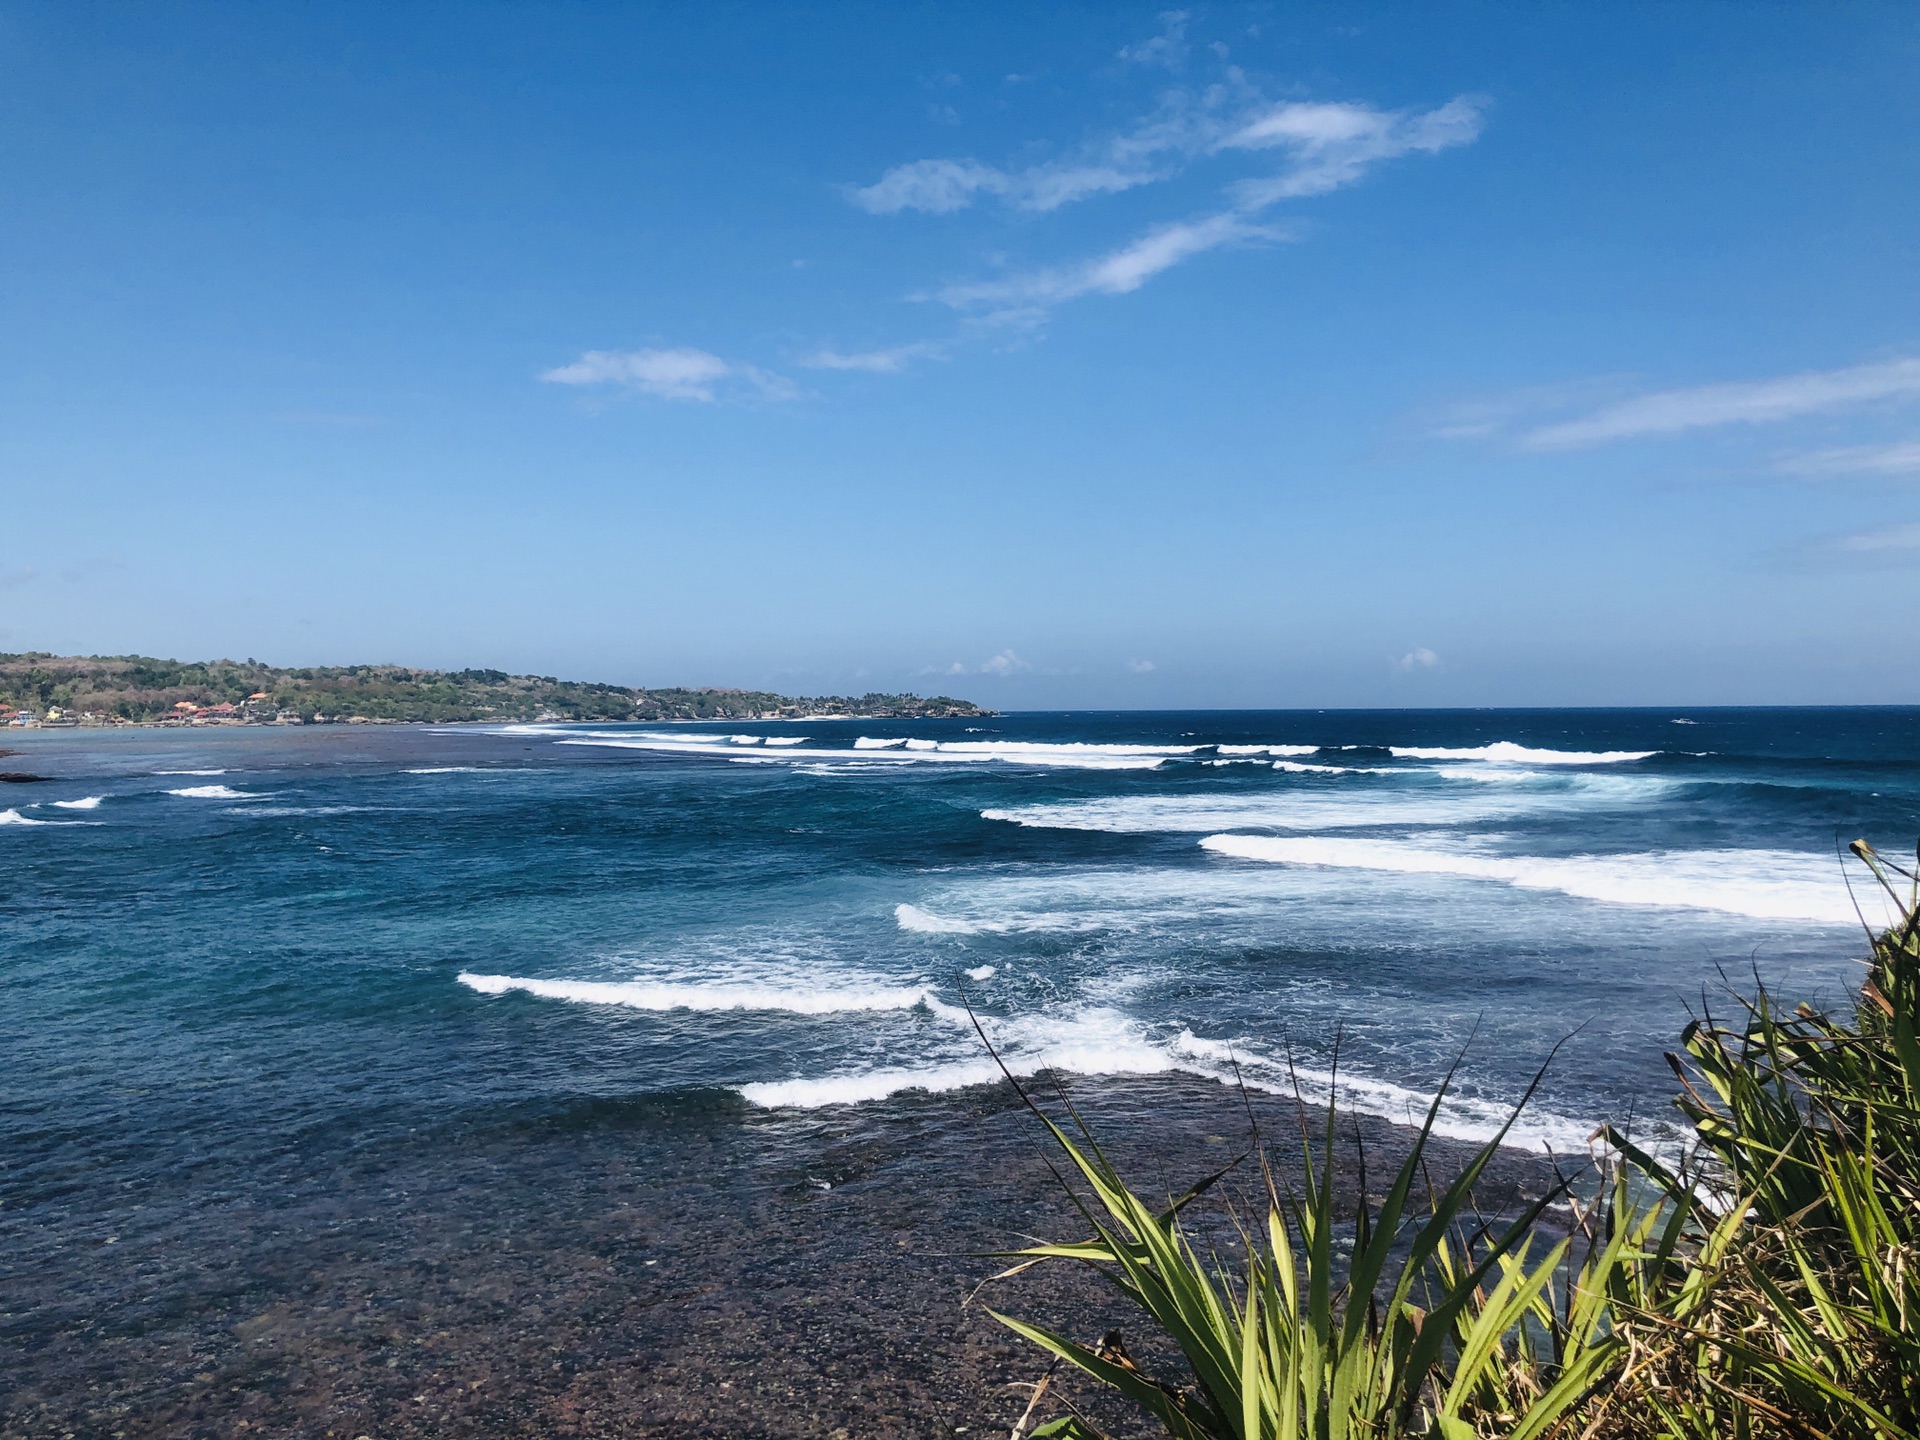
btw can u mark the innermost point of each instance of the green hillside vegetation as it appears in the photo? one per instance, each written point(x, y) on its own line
point(140, 688)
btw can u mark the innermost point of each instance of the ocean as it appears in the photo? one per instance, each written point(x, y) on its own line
point(285, 1004)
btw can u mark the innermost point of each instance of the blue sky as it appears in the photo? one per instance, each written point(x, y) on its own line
point(1246, 355)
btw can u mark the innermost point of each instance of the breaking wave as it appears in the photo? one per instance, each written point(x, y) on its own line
point(14, 817)
point(1073, 755)
point(214, 792)
point(1505, 752)
point(1762, 884)
point(1461, 1117)
point(1098, 1041)
point(1328, 809)
point(1087, 1042)
point(821, 999)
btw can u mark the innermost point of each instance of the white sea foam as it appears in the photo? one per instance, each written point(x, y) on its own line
point(905, 751)
point(981, 972)
point(1327, 809)
point(267, 812)
point(743, 739)
point(1071, 750)
point(1763, 884)
point(214, 792)
point(1505, 752)
point(445, 770)
point(1094, 1041)
point(1267, 749)
point(1100, 1041)
point(1461, 1117)
point(786, 740)
point(89, 802)
point(912, 917)
point(816, 999)
point(189, 772)
point(14, 817)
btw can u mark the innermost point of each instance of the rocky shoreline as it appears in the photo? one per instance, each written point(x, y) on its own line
point(614, 1268)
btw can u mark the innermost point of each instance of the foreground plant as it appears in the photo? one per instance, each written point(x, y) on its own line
point(1766, 1286)
point(1802, 1315)
point(1432, 1322)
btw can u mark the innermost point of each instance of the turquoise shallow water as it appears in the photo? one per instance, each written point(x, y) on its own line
point(234, 958)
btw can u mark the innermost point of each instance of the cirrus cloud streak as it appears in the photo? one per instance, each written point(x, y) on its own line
point(682, 374)
point(1746, 402)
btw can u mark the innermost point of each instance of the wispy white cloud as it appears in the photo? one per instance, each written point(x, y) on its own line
point(1168, 48)
point(938, 187)
point(1496, 416)
point(1748, 402)
point(1319, 147)
point(879, 362)
point(1141, 667)
point(1900, 458)
point(1418, 658)
point(678, 374)
point(1326, 147)
point(1004, 664)
point(1331, 146)
point(1118, 273)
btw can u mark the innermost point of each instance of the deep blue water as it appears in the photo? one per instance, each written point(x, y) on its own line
point(342, 933)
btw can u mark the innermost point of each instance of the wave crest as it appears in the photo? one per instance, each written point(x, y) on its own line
point(1505, 752)
point(823, 999)
point(1762, 884)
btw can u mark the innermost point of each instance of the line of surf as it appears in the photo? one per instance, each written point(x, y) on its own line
point(1099, 1042)
point(1085, 757)
point(826, 999)
point(1505, 752)
point(1346, 806)
point(1760, 884)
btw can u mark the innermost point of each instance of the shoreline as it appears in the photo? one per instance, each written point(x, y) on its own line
point(66, 725)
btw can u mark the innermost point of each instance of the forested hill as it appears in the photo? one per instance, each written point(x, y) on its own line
point(137, 687)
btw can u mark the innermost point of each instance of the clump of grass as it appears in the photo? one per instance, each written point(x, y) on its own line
point(1766, 1285)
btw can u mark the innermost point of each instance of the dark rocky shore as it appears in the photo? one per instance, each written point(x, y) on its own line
point(618, 1269)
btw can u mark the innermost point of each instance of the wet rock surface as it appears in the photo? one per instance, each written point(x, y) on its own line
point(615, 1269)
